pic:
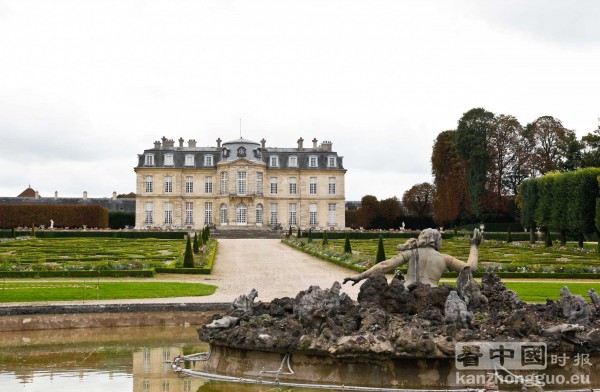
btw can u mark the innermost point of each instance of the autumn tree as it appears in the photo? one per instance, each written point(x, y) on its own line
point(389, 212)
point(550, 141)
point(503, 136)
point(418, 199)
point(369, 209)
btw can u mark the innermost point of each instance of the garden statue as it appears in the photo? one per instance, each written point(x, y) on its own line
point(426, 263)
point(51, 224)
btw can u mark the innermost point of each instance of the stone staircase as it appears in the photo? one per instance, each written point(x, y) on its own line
point(252, 233)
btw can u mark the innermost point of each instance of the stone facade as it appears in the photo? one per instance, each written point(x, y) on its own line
point(238, 184)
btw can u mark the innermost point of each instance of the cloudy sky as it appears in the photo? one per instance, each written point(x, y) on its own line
point(85, 86)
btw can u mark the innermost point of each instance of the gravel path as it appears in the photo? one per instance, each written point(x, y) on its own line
point(272, 268)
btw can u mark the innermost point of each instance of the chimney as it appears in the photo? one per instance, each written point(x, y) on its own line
point(326, 146)
point(219, 143)
point(37, 195)
point(168, 143)
point(84, 195)
point(55, 195)
point(314, 143)
point(300, 147)
point(157, 145)
point(114, 197)
point(180, 142)
point(262, 143)
point(192, 143)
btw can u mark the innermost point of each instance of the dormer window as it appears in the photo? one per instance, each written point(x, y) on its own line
point(208, 160)
point(312, 161)
point(225, 152)
point(168, 159)
point(241, 152)
point(331, 162)
point(149, 160)
point(274, 161)
point(189, 160)
point(293, 161)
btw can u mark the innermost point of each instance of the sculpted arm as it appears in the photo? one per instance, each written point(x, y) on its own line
point(385, 266)
point(454, 264)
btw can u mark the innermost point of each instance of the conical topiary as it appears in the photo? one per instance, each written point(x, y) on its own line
point(548, 239)
point(325, 241)
point(13, 233)
point(290, 231)
point(309, 236)
point(509, 236)
point(200, 241)
point(347, 246)
point(188, 258)
point(299, 233)
point(33, 230)
point(196, 247)
point(380, 251)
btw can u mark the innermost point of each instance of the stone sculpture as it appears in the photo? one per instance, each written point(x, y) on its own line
point(426, 263)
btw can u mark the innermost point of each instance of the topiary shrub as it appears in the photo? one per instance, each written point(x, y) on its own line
point(299, 234)
point(509, 236)
point(325, 241)
point(188, 258)
point(309, 236)
point(195, 246)
point(347, 246)
point(380, 251)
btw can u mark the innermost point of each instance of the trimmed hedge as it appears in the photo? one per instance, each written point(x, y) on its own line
point(368, 235)
point(193, 271)
point(20, 215)
point(120, 219)
point(330, 259)
point(530, 275)
point(79, 274)
point(165, 235)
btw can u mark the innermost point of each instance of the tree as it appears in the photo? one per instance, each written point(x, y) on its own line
point(389, 212)
point(591, 149)
point(196, 247)
point(503, 137)
point(130, 195)
point(188, 258)
point(325, 241)
point(548, 138)
point(449, 170)
point(418, 199)
point(368, 211)
point(380, 251)
point(527, 201)
point(472, 145)
point(347, 246)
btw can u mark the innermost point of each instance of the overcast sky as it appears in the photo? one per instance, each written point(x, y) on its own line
point(85, 86)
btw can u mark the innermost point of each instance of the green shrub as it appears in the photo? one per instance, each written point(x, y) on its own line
point(380, 251)
point(121, 219)
point(188, 258)
point(325, 242)
point(196, 245)
point(347, 246)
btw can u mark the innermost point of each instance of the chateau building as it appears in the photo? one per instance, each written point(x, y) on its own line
point(240, 183)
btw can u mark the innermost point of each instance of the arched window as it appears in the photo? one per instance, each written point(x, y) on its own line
point(241, 214)
point(259, 214)
point(223, 214)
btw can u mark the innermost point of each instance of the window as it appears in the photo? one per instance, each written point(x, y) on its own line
point(332, 185)
point(146, 385)
point(168, 159)
point(165, 386)
point(331, 162)
point(149, 184)
point(223, 183)
point(241, 152)
point(208, 213)
point(149, 160)
point(259, 214)
point(293, 214)
point(189, 160)
point(293, 186)
point(293, 161)
point(189, 184)
point(259, 183)
point(312, 161)
point(223, 214)
point(273, 214)
point(189, 213)
point(274, 161)
point(312, 215)
point(241, 214)
point(241, 183)
point(208, 160)
point(313, 186)
point(168, 213)
point(273, 185)
point(148, 212)
point(168, 184)
point(332, 215)
point(208, 185)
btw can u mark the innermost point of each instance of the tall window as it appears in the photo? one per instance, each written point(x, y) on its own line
point(189, 184)
point(168, 159)
point(332, 215)
point(312, 214)
point(293, 214)
point(189, 213)
point(273, 214)
point(208, 185)
point(242, 187)
point(293, 186)
point(168, 184)
point(313, 186)
point(312, 161)
point(149, 160)
point(208, 160)
point(223, 215)
point(259, 214)
point(273, 185)
point(208, 213)
point(148, 213)
point(332, 185)
point(168, 213)
point(293, 161)
point(149, 184)
point(331, 162)
point(259, 183)
point(274, 161)
point(189, 160)
point(223, 183)
point(241, 214)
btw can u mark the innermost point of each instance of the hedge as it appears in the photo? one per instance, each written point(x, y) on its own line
point(321, 256)
point(20, 215)
point(79, 274)
point(165, 235)
point(530, 275)
point(120, 219)
point(193, 271)
point(366, 235)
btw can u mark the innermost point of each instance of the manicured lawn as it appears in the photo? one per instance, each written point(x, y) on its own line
point(540, 291)
point(81, 290)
